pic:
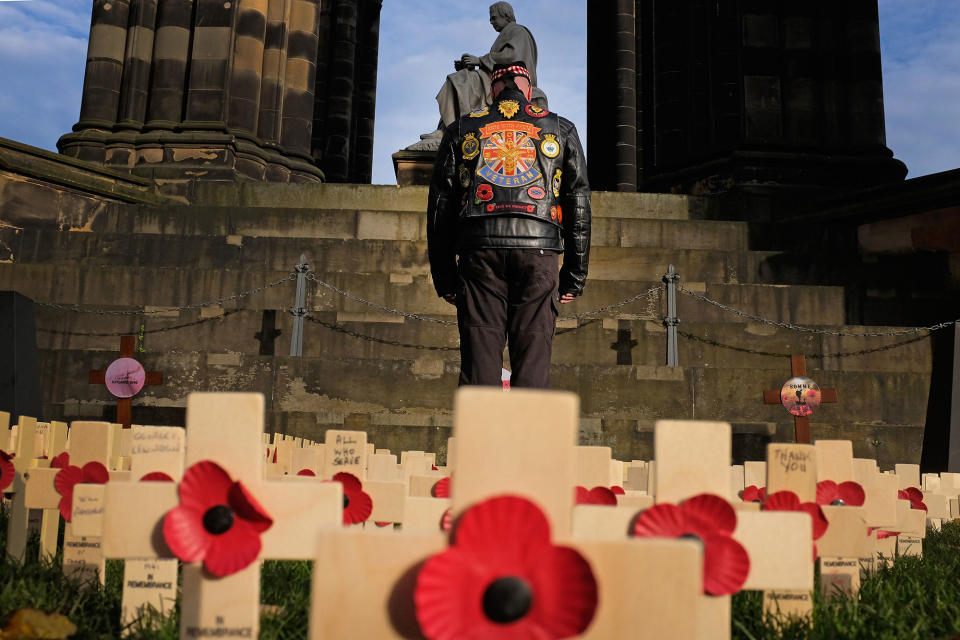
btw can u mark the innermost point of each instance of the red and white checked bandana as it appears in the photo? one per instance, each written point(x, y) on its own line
point(516, 70)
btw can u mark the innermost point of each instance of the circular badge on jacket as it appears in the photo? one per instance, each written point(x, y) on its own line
point(550, 146)
point(484, 192)
point(470, 147)
point(537, 193)
point(535, 111)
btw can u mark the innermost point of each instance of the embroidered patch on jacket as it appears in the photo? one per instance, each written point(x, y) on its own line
point(510, 207)
point(464, 176)
point(556, 183)
point(508, 108)
point(535, 111)
point(470, 147)
point(537, 193)
point(484, 192)
point(479, 113)
point(509, 154)
point(556, 213)
point(550, 146)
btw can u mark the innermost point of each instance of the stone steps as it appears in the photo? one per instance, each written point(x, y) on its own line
point(96, 286)
point(616, 401)
point(392, 198)
point(352, 256)
point(238, 228)
point(591, 341)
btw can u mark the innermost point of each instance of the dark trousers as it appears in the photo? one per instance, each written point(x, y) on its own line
point(507, 296)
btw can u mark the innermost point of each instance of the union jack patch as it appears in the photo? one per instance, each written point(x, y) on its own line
point(509, 154)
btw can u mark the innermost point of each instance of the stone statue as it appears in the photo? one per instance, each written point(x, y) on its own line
point(468, 89)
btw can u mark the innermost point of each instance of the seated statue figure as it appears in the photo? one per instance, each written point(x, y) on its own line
point(468, 89)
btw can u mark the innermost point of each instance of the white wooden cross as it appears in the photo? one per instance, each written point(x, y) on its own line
point(224, 428)
point(521, 443)
point(23, 451)
point(693, 457)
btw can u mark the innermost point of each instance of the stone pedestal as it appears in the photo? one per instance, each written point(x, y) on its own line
point(413, 167)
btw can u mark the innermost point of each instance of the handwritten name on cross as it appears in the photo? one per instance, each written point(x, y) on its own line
point(801, 424)
point(152, 378)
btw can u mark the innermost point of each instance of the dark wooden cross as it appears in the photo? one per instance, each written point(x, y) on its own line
point(153, 378)
point(801, 424)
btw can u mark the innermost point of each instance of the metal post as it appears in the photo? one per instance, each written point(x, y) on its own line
point(671, 321)
point(299, 310)
point(953, 458)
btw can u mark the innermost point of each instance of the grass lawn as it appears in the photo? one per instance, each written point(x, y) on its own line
point(913, 598)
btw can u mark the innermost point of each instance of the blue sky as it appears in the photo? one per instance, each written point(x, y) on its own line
point(43, 46)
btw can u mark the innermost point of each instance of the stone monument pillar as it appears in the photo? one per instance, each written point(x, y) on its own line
point(735, 95)
point(219, 90)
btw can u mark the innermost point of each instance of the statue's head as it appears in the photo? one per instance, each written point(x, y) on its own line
point(501, 14)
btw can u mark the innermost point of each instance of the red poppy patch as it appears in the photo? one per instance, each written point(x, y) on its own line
point(357, 504)
point(914, 495)
point(60, 461)
point(446, 521)
point(753, 494)
point(218, 522)
point(503, 578)
point(7, 470)
point(597, 495)
point(441, 489)
point(712, 520)
point(484, 192)
point(70, 476)
point(307, 472)
point(537, 193)
point(849, 494)
point(535, 111)
point(618, 490)
point(156, 476)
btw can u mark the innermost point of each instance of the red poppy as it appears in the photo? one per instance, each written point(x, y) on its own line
point(306, 472)
point(70, 476)
point(446, 521)
point(441, 489)
point(753, 494)
point(503, 578)
point(357, 505)
point(217, 522)
point(788, 501)
point(712, 520)
point(597, 495)
point(914, 495)
point(7, 470)
point(484, 192)
point(382, 524)
point(433, 467)
point(60, 461)
point(882, 534)
point(848, 493)
point(618, 490)
point(156, 476)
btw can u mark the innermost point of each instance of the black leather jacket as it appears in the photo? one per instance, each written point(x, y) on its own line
point(509, 176)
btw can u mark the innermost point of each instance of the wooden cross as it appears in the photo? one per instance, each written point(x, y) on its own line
point(153, 378)
point(227, 429)
point(89, 442)
point(801, 424)
point(519, 443)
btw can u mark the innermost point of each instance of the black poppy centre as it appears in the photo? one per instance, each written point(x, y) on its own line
point(507, 599)
point(346, 501)
point(218, 519)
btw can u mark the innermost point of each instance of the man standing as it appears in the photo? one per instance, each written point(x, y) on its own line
point(469, 87)
point(509, 193)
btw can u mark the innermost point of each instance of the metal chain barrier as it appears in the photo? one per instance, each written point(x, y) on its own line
point(116, 312)
point(415, 316)
point(828, 332)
